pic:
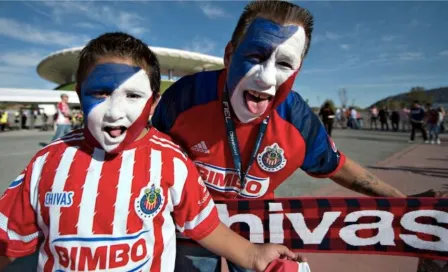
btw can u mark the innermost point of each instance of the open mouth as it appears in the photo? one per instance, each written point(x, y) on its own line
point(115, 132)
point(256, 102)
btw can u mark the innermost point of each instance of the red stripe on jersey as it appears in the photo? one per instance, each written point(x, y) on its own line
point(68, 224)
point(47, 178)
point(107, 196)
point(167, 174)
point(141, 178)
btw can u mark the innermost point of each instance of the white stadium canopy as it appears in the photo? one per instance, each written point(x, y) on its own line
point(35, 96)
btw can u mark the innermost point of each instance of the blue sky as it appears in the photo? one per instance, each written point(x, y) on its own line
point(373, 49)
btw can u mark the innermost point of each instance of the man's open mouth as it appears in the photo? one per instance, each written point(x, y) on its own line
point(115, 132)
point(257, 102)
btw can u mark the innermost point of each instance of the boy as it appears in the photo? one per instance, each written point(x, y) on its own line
point(102, 198)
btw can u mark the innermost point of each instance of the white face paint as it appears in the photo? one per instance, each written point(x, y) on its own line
point(114, 102)
point(266, 58)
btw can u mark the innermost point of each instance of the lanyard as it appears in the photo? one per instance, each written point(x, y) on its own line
point(233, 140)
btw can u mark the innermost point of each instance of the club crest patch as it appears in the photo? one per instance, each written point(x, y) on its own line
point(149, 203)
point(272, 159)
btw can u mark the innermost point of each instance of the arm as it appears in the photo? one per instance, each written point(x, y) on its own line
point(226, 243)
point(354, 177)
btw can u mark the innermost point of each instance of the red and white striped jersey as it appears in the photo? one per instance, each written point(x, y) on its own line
point(89, 210)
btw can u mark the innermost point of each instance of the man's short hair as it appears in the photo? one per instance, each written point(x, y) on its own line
point(280, 12)
point(118, 44)
point(64, 95)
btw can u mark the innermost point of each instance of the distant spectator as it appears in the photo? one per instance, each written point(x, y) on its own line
point(384, 116)
point(373, 117)
point(433, 121)
point(417, 117)
point(3, 120)
point(395, 119)
point(353, 118)
point(404, 119)
point(443, 116)
point(63, 123)
point(327, 115)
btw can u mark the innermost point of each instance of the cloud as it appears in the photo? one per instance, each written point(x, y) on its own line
point(332, 36)
point(201, 45)
point(345, 47)
point(443, 53)
point(86, 25)
point(104, 15)
point(213, 12)
point(32, 34)
point(410, 56)
point(415, 23)
point(388, 38)
point(19, 59)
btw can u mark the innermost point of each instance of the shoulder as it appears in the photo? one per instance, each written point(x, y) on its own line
point(166, 144)
point(186, 93)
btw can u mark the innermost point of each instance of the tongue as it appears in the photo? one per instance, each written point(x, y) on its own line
point(115, 132)
point(254, 106)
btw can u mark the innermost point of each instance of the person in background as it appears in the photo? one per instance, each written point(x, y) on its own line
point(3, 120)
point(404, 119)
point(373, 117)
point(395, 119)
point(354, 118)
point(327, 116)
point(384, 115)
point(417, 117)
point(433, 122)
point(442, 122)
point(63, 118)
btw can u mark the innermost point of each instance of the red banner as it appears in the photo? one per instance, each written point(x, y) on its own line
point(391, 226)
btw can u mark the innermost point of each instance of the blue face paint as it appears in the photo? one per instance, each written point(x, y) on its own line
point(105, 78)
point(262, 38)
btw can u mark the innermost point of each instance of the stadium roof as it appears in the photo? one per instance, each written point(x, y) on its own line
point(60, 67)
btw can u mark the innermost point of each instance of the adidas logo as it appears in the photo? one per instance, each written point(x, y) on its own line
point(200, 147)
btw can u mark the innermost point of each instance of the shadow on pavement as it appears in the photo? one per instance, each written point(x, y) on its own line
point(426, 171)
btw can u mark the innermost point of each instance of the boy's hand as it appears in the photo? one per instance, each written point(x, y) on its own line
point(266, 253)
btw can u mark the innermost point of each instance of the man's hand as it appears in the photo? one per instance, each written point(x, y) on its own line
point(266, 253)
point(354, 177)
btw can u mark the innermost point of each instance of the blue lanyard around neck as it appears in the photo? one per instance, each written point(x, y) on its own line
point(233, 140)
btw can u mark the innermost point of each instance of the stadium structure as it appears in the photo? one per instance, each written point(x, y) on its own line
point(60, 68)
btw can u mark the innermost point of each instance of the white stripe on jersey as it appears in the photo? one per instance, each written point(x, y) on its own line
point(166, 141)
point(189, 225)
point(168, 146)
point(124, 189)
point(89, 193)
point(180, 176)
point(34, 181)
point(62, 173)
point(12, 235)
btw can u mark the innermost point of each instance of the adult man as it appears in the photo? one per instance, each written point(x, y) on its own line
point(244, 128)
point(417, 118)
point(62, 121)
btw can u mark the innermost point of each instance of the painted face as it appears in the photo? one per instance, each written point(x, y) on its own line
point(265, 63)
point(116, 100)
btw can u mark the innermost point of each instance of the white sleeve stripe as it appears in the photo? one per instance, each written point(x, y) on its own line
point(304, 267)
point(168, 146)
point(35, 179)
point(189, 225)
point(165, 141)
point(180, 177)
point(12, 235)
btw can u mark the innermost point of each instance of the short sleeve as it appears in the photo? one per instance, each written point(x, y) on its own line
point(322, 159)
point(19, 232)
point(194, 212)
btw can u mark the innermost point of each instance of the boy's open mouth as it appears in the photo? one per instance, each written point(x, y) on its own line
point(256, 102)
point(115, 132)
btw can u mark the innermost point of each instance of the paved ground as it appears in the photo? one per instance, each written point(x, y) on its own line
point(411, 168)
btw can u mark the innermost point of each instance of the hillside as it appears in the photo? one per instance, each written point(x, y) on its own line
point(437, 96)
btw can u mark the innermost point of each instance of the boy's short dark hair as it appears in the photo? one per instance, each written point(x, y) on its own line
point(281, 12)
point(118, 44)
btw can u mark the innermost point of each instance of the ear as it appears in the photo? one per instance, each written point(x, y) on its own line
point(227, 54)
point(155, 103)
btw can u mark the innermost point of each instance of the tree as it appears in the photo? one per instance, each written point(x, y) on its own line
point(419, 93)
point(343, 97)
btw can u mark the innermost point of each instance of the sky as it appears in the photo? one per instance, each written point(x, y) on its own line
point(372, 49)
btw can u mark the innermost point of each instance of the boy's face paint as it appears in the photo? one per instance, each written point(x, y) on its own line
point(264, 64)
point(116, 100)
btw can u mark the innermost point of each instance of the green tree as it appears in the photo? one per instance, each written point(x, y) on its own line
point(419, 93)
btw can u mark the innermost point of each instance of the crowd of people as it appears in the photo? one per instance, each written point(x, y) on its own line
point(428, 119)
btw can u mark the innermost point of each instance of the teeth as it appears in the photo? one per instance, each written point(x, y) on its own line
point(259, 95)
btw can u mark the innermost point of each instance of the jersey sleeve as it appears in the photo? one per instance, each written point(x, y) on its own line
point(194, 212)
point(322, 159)
point(19, 232)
